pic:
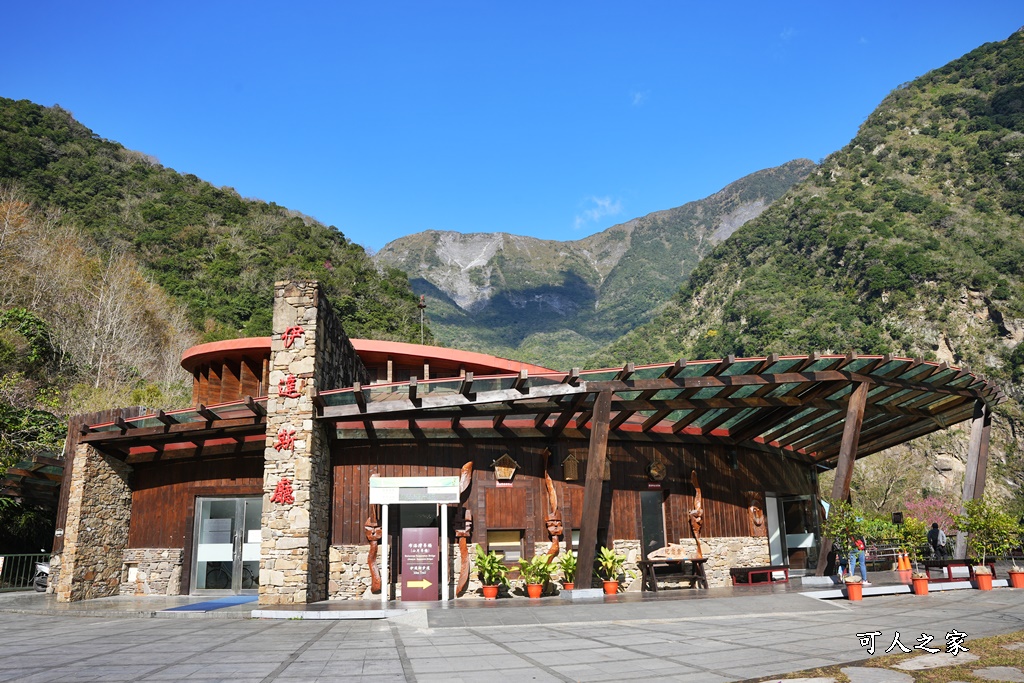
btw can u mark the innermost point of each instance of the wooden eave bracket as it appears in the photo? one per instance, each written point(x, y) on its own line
point(166, 419)
point(357, 392)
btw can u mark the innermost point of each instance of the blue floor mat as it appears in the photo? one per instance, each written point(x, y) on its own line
point(211, 605)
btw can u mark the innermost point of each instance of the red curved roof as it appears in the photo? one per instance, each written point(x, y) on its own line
point(472, 361)
point(371, 351)
point(229, 348)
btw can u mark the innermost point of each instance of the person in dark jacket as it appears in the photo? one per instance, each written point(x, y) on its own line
point(937, 540)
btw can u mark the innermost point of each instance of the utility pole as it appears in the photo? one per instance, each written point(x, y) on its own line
point(421, 305)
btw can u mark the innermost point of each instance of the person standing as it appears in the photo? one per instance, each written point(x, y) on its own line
point(857, 549)
point(937, 540)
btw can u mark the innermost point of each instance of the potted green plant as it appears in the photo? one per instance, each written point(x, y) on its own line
point(609, 565)
point(990, 532)
point(567, 563)
point(535, 572)
point(492, 571)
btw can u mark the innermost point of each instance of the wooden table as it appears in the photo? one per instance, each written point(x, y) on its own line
point(691, 568)
point(947, 567)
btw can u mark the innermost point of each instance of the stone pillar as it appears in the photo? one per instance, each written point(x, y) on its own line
point(96, 527)
point(309, 352)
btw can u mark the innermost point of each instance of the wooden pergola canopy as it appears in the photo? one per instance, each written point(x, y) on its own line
point(791, 405)
point(34, 482)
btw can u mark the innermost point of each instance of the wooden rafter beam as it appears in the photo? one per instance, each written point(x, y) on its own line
point(520, 383)
point(207, 414)
point(177, 431)
point(466, 388)
point(253, 407)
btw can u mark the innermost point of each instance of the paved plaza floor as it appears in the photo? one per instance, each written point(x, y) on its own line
point(706, 636)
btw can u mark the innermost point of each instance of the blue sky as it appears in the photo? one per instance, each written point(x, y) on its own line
point(554, 120)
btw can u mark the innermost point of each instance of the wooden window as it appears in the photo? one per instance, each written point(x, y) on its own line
point(508, 544)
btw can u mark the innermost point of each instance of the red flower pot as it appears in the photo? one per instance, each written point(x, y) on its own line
point(611, 587)
point(1016, 579)
point(920, 586)
point(854, 591)
point(568, 586)
point(984, 581)
point(491, 592)
point(534, 589)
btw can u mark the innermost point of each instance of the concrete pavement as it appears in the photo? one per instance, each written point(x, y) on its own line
point(718, 635)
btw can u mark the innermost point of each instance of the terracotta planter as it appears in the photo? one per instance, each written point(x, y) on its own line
point(920, 586)
point(491, 592)
point(534, 589)
point(1016, 579)
point(568, 586)
point(611, 587)
point(854, 591)
point(984, 581)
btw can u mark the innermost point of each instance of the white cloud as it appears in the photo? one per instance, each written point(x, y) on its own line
point(601, 207)
point(639, 97)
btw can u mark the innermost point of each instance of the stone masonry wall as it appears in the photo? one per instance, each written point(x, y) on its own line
point(295, 542)
point(152, 571)
point(96, 527)
point(727, 552)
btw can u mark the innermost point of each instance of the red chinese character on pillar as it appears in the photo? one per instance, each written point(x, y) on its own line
point(283, 493)
point(291, 334)
point(289, 387)
point(285, 439)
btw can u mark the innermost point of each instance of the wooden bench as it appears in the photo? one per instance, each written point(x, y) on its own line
point(947, 568)
point(744, 576)
point(690, 568)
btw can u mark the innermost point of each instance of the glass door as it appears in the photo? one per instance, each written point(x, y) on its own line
point(226, 549)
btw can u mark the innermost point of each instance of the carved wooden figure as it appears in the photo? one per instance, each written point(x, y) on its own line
point(554, 516)
point(697, 513)
point(464, 527)
point(755, 510)
point(373, 534)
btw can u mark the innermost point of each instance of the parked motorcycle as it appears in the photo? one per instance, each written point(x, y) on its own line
point(41, 576)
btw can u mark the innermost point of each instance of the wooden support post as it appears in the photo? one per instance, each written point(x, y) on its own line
point(977, 467)
point(847, 454)
point(592, 489)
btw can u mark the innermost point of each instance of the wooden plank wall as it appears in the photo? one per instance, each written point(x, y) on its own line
point(164, 494)
point(164, 499)
point(524, 505)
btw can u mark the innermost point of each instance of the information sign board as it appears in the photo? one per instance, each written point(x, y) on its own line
point(420, 564)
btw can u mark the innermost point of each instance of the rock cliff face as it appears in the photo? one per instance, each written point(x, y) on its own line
point(552, 302)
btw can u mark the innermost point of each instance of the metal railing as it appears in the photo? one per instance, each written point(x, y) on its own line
point(17, 571)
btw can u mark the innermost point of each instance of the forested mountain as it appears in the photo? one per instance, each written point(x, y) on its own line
point(111, 265)
point(553, 303)
point(207, 247)
point(908, 240)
